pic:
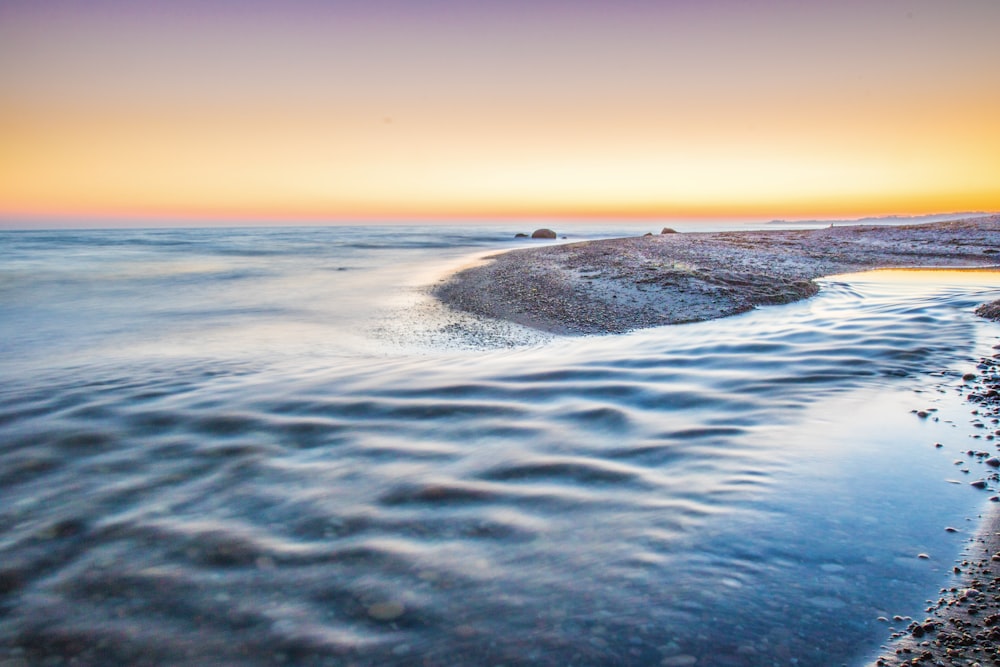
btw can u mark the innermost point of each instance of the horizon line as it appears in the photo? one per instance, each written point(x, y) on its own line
point(122, 220)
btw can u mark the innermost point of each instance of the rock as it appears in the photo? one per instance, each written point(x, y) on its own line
point(543, 234)
point(990, 311)
point(979, 484)
point(386, 611)
point(993, 462)
point(520, 235)
point(668, 230)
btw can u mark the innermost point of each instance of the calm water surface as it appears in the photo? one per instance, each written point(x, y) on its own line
point(270, 446)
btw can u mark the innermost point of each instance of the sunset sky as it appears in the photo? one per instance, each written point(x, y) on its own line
point(440, 109)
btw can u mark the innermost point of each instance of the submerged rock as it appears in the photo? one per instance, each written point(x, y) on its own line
point(386, 611)
point(543, 234)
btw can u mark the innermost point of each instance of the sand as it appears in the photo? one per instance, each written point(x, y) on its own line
point(617, 285)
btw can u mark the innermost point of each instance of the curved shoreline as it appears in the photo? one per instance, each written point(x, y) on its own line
point(617, 285)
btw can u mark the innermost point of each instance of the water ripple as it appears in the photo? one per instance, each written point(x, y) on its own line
point(624, 500)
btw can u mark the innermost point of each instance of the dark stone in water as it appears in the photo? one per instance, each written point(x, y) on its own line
point(990, 311)
point(10, 581)
point(543, 234)
point(520, 235)
point(386, 611)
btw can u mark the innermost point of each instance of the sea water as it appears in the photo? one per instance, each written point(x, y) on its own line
point(273, 446)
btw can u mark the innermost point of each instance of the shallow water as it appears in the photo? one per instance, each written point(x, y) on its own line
point(270, 446)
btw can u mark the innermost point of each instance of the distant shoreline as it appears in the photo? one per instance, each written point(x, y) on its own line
point(618, 285)
point(888, 219)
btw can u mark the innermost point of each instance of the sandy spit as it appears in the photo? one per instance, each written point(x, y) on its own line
point(617, 285)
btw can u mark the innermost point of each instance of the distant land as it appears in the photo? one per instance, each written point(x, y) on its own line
point(888, 219)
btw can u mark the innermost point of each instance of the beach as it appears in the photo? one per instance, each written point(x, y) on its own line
point(618, 285)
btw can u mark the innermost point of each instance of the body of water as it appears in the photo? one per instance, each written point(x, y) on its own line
point(271, 446)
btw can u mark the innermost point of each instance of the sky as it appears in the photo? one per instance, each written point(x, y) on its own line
point(305, 110)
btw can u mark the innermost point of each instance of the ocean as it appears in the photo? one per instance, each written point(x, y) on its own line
point(263, 446)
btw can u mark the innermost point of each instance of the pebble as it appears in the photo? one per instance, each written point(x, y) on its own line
point(965, 629)
point(386, 611)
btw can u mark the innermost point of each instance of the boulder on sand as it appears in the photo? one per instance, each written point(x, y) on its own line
point(668, 230)
point(543, 234)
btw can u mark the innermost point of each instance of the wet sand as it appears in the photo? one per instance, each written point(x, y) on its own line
point(618, 285)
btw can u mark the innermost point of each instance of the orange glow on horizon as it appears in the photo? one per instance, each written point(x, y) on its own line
point(686, 114)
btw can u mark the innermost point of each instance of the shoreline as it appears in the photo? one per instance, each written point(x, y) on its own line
point(619, 285)
point(962, 626)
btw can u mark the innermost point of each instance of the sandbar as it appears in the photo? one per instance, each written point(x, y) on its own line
point(618, 285)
